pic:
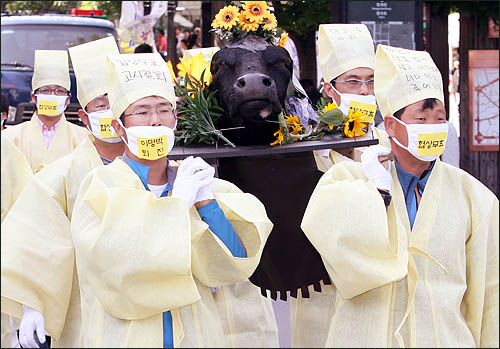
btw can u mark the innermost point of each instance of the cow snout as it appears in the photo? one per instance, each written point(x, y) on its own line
point(253, 81)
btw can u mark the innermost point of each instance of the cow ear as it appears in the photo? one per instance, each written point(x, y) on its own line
point(214, 67)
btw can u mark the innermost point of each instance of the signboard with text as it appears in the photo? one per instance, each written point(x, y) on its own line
point(393, 23)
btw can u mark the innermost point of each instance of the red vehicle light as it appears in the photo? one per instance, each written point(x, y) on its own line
point(78, 12)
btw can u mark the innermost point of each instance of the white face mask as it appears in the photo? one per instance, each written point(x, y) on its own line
point(50, 105)
point(100, 126)
point(425, 141)
point(149, 142)
point(347, 98)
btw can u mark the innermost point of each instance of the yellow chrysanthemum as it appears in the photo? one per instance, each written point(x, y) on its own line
point(194, 67)
point(183, 67)
point(269, 21)
point(255, 10)
point(283, 38)
point(226, 18)
point(246, 25)
point(172, 73)
point(293, 122)
point(279, 137)
point(354, 127)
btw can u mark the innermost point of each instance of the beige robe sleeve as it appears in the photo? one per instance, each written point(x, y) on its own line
point(37, 231)
point(16, 172)
point(132, 249)
point(480, 304)
point(36, 236)
point(346, 221)
point(212, 263)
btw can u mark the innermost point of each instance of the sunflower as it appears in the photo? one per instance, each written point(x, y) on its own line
point(226, 18)
point(283, 38)
point(354, 127)
point(328, 107)
point(246, 25)
point(255, 10)
point(269, 21)
point(293, 122)
point(279, 137)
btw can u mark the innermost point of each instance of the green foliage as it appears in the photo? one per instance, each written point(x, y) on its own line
point(476, 8)
point(112, 9)
point(302, 17)
point(39, 7)
point(236, 33)
point(198, 115)
point(333, 117)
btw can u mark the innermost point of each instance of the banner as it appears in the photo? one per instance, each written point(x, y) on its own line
point(134, 27)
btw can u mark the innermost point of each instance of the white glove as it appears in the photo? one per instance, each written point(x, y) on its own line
point(205, 191)
point(374, 170)
point(31, 322)
point(191, 176)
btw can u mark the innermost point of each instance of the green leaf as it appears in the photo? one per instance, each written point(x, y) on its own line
point(333, 117)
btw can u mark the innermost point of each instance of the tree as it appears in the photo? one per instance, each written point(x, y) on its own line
point(38, 7)
point(301, 20)
point(112, 9)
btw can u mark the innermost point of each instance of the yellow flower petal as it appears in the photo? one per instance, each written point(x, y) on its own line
point(330, 106)
point(172, 73)
point(226, 18)
point(354, 127)
point(280, 137)
point(255, 10)
point(283, 38)
point(269, 21)
point(246, 24)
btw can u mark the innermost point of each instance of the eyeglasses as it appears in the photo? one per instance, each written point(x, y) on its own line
point(57, 91)
point(355, 83)
point(100, 107)
point(145, 114)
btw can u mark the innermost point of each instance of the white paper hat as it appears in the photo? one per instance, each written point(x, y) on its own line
point(343, 47)
point(135, 76)
point(51, 68)
point(403, 77)
point(89, 65)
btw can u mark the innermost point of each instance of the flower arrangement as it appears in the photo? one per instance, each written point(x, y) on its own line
point(233, 24)
point(330, 120)
point(198, 110)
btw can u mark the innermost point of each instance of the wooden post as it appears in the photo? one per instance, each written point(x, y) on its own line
point(437, 46)
point(207, 39)
point(338, 11)
point(171, 38)
point(481, 164)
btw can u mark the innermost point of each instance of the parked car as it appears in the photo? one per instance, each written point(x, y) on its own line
point(22, 35)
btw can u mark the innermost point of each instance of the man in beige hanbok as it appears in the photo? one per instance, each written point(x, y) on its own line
point(39, 222)
point(48, 135)
point(411, 247)
point(151, 241)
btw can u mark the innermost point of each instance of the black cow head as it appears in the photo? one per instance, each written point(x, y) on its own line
point(251, 79)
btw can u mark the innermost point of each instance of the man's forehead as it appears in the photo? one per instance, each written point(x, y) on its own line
point(437, 107)
point(52, 86)
point(151, 101)
point(358, 73)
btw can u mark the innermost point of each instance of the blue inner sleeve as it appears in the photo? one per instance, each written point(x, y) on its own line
point(220, 226)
